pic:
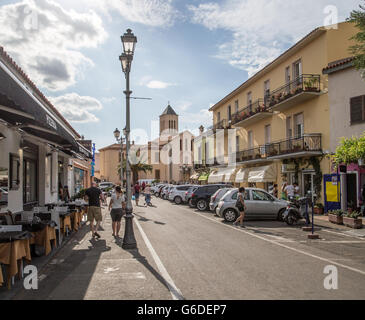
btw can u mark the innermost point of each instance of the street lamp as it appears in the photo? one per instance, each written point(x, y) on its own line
point(129, 43)
point(120, 140)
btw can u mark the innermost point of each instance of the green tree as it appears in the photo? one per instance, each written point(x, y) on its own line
point(138, 164)
point(358, 50)
point(350, 150)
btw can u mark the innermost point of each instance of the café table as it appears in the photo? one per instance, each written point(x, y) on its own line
point(14, 247)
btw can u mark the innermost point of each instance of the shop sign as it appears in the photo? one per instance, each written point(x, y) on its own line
point(93, 161)
point(87, 144)
point(51, 122)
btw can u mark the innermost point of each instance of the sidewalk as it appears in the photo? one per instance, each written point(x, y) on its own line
point(322, 221)
point(87, 269)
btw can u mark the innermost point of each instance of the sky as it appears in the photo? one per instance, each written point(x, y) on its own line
point(189, 53)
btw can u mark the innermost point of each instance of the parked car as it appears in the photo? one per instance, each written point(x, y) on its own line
point(214, 200)
point(165, 192)
point(188, 195)
point(156, 188)
point(105, 185)
point(201, 196)
point(177, 193)
point(260, 206)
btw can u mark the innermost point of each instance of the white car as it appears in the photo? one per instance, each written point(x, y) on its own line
point(105, 185)
point(177, 193)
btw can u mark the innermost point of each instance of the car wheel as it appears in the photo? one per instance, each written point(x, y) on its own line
point(156, 194)
point(230, 215)
point(280, 215)
point(202, 205)
point(178, 200)
point(290, 220)
point(191, 203)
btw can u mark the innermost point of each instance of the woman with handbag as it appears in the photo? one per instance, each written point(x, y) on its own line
point(240, 204)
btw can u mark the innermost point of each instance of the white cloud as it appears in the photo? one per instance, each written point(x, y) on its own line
point(193, 120)
point(154, 84)
point(154, 13)
point(46, 40)
point(77, 108)
point(262, 29)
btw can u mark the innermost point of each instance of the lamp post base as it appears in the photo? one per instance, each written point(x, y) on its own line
point(129, 241)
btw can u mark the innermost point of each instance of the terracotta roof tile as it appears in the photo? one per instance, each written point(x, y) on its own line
point(338, 63)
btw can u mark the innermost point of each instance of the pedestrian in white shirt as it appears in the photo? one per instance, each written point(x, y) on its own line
point(289, 190)
point(117, 207)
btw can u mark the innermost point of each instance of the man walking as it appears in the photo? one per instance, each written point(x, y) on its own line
point(94, 195)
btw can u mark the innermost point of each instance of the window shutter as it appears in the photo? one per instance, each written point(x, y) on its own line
point(357, 109)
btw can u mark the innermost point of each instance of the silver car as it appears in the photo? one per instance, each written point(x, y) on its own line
point(214, 200)
point(260, 206)
point(4, 195)
point(165, 192)
point(177, 193)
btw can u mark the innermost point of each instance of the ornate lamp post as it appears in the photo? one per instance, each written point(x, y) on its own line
point(120, 140)
point(129, 43)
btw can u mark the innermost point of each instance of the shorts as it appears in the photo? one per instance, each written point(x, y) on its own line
point(94, 213)
point(136, 195)
point(116, 215)
point(148, 198)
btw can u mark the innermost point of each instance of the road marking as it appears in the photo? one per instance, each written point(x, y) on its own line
point(280, 244)
point(335, 241)
point(175, 292)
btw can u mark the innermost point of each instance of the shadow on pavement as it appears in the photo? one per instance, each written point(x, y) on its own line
point(68, 279)
point(143, 260)
point(144, 219)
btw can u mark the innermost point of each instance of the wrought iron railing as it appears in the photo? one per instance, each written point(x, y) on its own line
point(304, 83)
point(307, 142)
point(219, 125)
point(251, 154)
point(217, 161)
point(249, 111)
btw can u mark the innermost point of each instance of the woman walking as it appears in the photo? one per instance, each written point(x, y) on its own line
point(240, 204)
point(116, 208)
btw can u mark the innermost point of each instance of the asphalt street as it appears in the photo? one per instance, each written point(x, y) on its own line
point(186, 254)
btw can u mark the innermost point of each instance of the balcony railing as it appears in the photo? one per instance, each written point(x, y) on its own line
point(251, 154)
point(306, 143)
point(250, 111)
point(217, 161)
point(306, 83)
point(219, 125)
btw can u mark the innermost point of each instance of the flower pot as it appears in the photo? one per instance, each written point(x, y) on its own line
point(319, 211)
point(352, 223)
point(335, 219)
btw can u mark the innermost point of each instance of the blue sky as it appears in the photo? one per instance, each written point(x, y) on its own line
point(191, 53)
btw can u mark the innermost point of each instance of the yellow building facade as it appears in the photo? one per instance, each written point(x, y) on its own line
point(281, 115)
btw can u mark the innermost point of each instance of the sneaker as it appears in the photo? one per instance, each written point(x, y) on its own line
point(97, 235)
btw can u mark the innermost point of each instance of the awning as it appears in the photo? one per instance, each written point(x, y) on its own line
point(18, 107)
point(262, 174)
point(242, 175)
point(195, 176)
point(204, 177)
point(221, 175)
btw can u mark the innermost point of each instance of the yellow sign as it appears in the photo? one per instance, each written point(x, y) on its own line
point(333, 191)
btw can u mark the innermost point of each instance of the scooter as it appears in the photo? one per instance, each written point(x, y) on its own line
point(295, 211)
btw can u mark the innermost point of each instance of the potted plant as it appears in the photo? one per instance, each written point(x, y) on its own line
point(319, 209)
point(353, 220)
point(310, 84)
point(273, 153)
point(258, 156)
point(336, 217)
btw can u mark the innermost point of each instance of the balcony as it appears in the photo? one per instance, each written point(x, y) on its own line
point(300, 90)
point(307, 145)
point(215, 162)
point(198, 166)
point(254, 112)
point(254, 155)
point(219, 125)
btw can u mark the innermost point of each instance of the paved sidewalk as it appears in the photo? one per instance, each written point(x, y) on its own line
point(100, 269)
point(322, 221)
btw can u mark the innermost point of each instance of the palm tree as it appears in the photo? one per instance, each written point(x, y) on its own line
point(137, 165)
